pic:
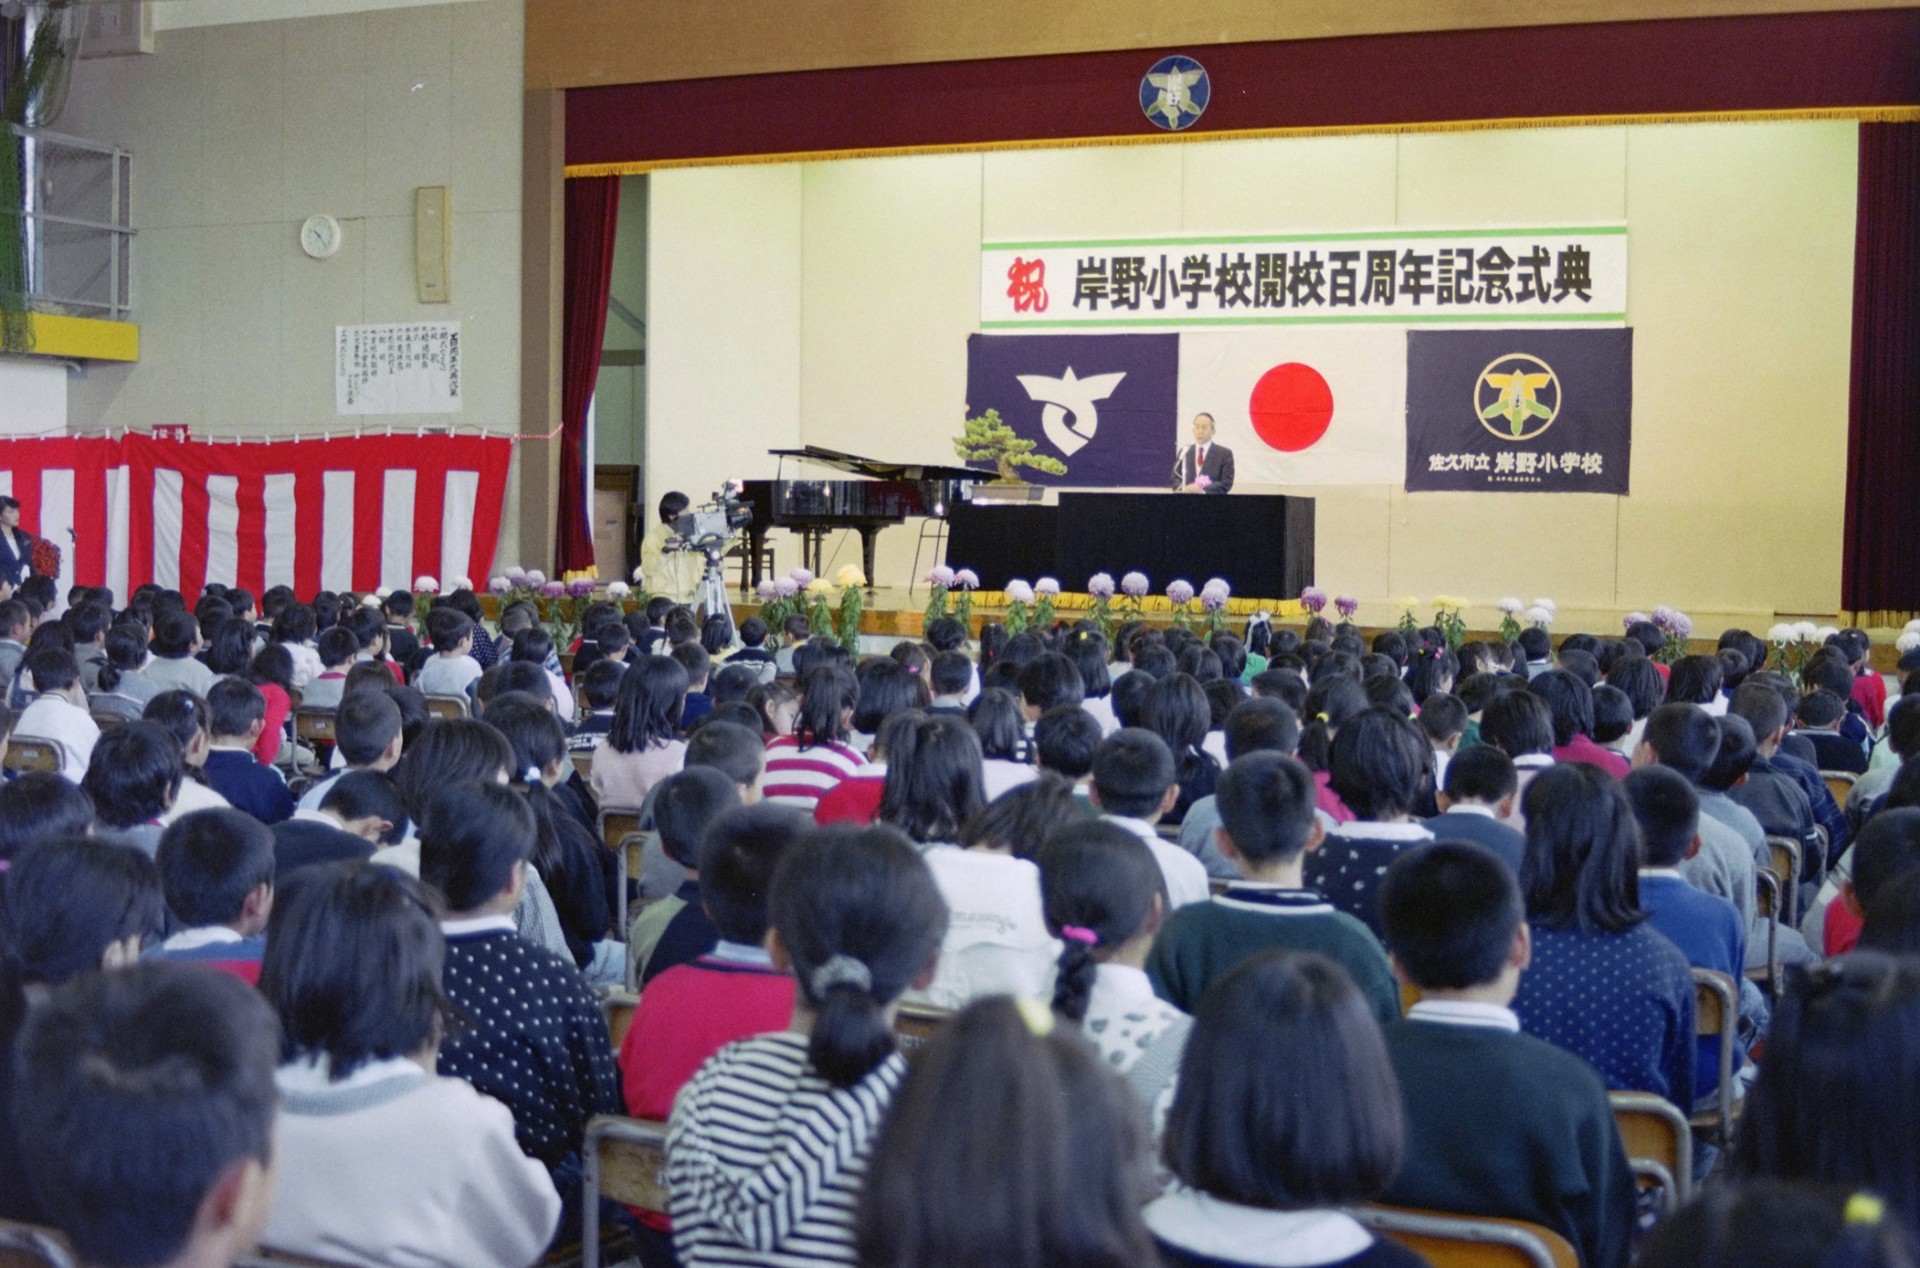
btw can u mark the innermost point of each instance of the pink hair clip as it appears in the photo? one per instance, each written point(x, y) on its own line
point(1080, 934)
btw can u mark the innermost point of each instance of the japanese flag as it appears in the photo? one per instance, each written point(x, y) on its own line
point(1300, 406)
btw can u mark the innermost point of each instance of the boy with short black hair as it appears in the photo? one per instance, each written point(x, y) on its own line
point(699, 703)
point(145, 1104)
point(795, 632)
point(59, 711)
point(1267, 826)
point(950, 675)
point(15, 625)
point(339, 647)
point(237, 713)
point(367, 734)
point(1065, 738)
point(1443, 720)
point(1134, 786)
point(176, 641)
point(600, 685)
point(1545, 1148)
point(217, 872)
point(1258, 725)
point(753, 648)
point(360, 813)
point(1537, 645)
point(1820, 716)
point(402, 642)
point(452, 670)
point(1477, 800)
point(677, 930)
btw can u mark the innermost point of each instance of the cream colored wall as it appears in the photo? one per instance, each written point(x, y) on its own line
point(1741, 241)
point(240, 132)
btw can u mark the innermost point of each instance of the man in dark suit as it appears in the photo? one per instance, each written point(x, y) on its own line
point(1203, 467)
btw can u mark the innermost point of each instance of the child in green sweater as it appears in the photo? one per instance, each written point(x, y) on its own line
point(1267, 827)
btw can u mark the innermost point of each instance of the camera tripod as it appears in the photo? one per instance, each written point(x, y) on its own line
point(711, 594)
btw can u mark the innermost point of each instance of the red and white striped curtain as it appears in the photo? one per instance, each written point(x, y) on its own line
point(337, 514)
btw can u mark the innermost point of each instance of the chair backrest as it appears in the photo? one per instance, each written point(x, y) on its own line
point(1659, 1144)
point(107, 720)
point(314, 725)
point(1839, 783)
point(618, 1005)
point(624, 1159)
point(1409, 996)
point(914, 1024)
point(35, 753)
point(267, 1257)
point(30, 1246)
point(448, 706)
point(1785, 852)
point(617, 823)
point(1716, 1015)
point(1469, 1241)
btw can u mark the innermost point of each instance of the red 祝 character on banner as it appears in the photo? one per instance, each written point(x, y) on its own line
point(1027, 285)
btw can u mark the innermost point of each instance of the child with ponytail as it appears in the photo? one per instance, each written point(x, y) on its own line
point(1105, 901)
point(767, 1151)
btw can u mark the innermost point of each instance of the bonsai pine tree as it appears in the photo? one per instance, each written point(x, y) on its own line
point(987, 439)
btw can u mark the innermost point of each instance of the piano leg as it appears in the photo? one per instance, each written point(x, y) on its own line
point(868, 533)
point(750, 573)
point(812, 546)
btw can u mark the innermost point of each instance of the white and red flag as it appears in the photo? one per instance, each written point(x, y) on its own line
point(337, 514)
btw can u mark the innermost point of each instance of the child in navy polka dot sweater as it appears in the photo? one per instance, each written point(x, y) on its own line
point(536, 1041)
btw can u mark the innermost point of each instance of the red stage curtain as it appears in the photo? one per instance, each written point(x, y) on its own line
point(1883, 436)
point(593, 214)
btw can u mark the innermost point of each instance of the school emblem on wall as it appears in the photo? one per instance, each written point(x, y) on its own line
point(1517, 397)
point(1175, 92)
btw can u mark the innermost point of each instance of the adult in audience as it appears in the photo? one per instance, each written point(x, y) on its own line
point(1603, 984)
point(382, 1159)
point(1263, 1167)
point(146, 1116)
point(1062, 1192)
point(1545, 1146)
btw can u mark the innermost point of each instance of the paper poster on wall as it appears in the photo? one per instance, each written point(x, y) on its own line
point(1519, 411)
point(1551, 275)
point(410, 368)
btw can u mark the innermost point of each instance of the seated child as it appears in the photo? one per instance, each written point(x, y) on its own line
point(1267, 829)
point(1820, 715)
point(699, 666)
point(753, 647)
point(1377, 765)
point(216, 869)
point(1256, 725)
point(452, 670)
point(146, 1105)
point(1133, 785)
point(601, 687)
point(367, 735)
point(362, 812)
point(1545, 1148)
point(338, 648)
point(770, 1140)
point(382, 1160)
point(1888, 847)
point(542, 1048)
point(950, 676)
point(237, 714)
point(1065, 738)
point(676, 930)
point(1105, 905)
point(1443, 718)
point(1704, 926)
point(1477, 801)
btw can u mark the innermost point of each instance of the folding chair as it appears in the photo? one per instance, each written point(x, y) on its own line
point(313, 728)
point(1767, 903)
point(624, 1159)
point(448, 706)
point(1786, 862)
point(618, 1006)
point(1659, 1143)
point(620, 831)
point(33, 753)
point(267, 1257)
point(1716, 1014)
point(1409, 996)
point(1469, 1241)
point(1840, 784)
point(107, 720)
point(914, 1024)
point(30, 1246)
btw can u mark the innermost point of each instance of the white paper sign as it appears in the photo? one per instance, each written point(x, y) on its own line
point(397, 369)
point(1553, 275)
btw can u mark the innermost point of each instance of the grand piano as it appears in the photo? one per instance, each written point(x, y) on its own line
point(888, 494)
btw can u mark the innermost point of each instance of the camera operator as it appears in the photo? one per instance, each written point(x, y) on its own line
point(673, 573)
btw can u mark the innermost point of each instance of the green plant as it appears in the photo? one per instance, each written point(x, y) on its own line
point(987, 439)
point(847, 620)
point(44, 61)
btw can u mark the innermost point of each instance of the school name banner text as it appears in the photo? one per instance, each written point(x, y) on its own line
point(1555, 275)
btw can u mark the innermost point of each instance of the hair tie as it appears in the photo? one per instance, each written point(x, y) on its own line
point(532, 775)
point(1038, 1016)
point(1080, 934)
point(1322, 717)
point(913, 669)
point(1864, 1209)
point(840, 970)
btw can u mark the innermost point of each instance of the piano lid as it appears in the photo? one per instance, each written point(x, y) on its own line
point(875, 469)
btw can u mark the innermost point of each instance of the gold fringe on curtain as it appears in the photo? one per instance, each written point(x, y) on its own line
point(1883, 619)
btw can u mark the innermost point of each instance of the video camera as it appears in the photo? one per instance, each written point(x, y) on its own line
point(711, 526)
